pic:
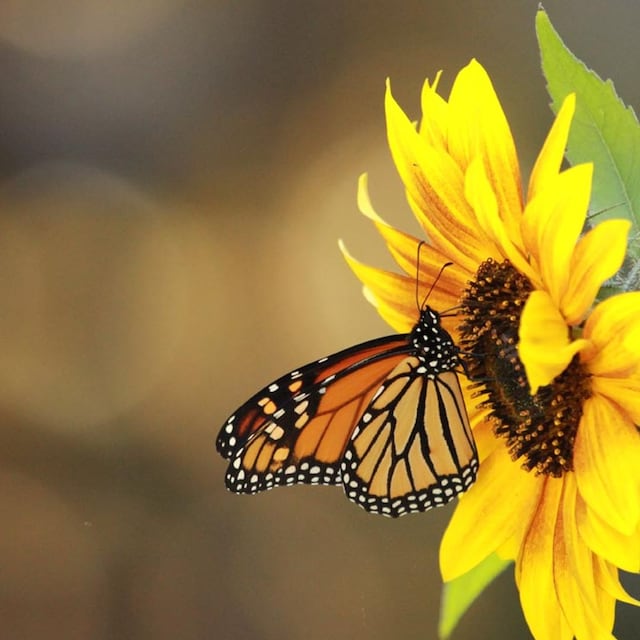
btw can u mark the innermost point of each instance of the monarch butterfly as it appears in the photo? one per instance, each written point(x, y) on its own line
point(385, 419)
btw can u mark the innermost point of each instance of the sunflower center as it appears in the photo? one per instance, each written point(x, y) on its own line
point(539, 429)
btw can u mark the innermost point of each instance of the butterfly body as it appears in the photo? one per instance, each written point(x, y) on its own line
point(385, 419)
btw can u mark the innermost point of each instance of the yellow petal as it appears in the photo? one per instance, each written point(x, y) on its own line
point(607, 579)
point(434, 126)
point(588, 611)
point(509, 549)
point(402, 246)
point(534, 570)
point(393, 315)
point(435, 189)
point(364, 200)
point(549, 160)
point(552, 223)
point(446, 238)
point(613, 328)
point(625, 392)
point(393, 295)
point(598, 255)
point(479, 128)
point(544, 347)
point(498, 507)
point(532, 225)
point(429, 174)
point(605, 541)
point(480, 195)
point(564, 226)
point(613, 360)
point(617, 313)
point(616, 317)
point(605, 460)
point(404, 249)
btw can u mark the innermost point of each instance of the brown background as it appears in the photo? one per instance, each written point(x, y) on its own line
point(175, 175)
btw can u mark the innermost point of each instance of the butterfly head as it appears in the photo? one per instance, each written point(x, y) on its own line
point(433, 344)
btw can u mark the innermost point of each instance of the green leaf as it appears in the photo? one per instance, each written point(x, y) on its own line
point(604, 130)
point(459, 594)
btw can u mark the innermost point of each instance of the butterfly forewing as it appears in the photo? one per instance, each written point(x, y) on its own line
point(296, 430)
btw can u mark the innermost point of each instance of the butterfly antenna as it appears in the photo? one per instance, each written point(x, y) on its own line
point(450, 312)
point(418, 307)
point(433, 284)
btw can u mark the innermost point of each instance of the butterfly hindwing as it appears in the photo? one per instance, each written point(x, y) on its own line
point(413, 448)
point(296, 429)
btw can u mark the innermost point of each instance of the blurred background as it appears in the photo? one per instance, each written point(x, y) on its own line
point(174, 177)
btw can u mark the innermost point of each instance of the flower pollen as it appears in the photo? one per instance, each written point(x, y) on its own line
point(540, 428)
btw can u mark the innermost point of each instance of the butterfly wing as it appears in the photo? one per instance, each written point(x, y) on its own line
point(413, 448)
point(296, 429)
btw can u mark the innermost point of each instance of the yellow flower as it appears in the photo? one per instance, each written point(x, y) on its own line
point(557, 394)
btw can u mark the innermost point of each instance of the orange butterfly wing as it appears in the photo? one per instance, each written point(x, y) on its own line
point(297, 429)
point(413, 448)
point(386, 419)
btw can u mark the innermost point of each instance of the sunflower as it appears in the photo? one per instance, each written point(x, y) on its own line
point(554, 391)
